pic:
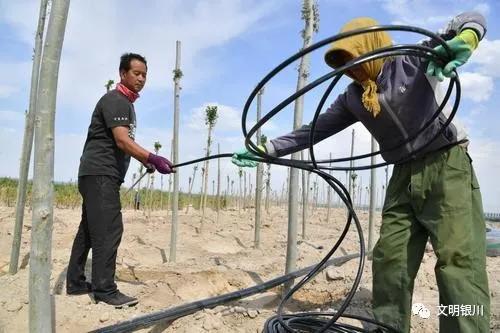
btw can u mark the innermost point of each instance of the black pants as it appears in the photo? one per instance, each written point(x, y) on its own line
point(101, 229)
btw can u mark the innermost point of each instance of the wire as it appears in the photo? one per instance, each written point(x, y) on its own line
point(316, 321)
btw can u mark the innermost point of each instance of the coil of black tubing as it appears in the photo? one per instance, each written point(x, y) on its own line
point(314, 321)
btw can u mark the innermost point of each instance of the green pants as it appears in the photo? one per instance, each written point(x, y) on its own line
point(435, 197)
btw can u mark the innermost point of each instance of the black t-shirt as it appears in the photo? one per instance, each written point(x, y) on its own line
point(101, 155)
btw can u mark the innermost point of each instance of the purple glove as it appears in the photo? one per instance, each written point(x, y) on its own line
point(160, 163)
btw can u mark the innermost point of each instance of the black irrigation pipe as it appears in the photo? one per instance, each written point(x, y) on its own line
point(315, 321)
point(208, 303)
point(136, 182)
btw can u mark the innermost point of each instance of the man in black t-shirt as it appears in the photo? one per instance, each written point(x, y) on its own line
point(103, 166)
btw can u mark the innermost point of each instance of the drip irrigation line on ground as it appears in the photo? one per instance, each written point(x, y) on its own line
point(208, 303)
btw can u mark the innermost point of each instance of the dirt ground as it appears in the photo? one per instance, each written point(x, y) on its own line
point(218, 260)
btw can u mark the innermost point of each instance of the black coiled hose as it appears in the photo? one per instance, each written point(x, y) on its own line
point(315, 321)
point(326, 322)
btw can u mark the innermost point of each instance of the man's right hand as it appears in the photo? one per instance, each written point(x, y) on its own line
point(160, 163)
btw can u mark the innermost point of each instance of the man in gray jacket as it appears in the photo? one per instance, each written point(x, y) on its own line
point(433, 192)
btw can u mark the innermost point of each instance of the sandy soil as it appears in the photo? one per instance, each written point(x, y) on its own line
point(218, 260)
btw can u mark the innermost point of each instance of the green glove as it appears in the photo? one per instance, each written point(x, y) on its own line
point(461, 47)
point(240, 158)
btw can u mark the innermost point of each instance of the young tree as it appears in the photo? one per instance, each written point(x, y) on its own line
point(134, 175)
point(250, 187)
point(244, 190)
point(232, 190)
point(40, 304)
point(157, 147)
point(328, 196)
point(352, 174)
point(258, 177)
point(240, 199)
point(27, 142)
point(227, 191)
point(191, 182)
point(210, 120)
point(169, 193)
point(373, 203)
point(175, 153)
point(315, 194)
point(202, 186)
point(305, 196)
point(108, 85)
point(268, 187)
point(310, 17)
point(141, 171)
point(161, 192)
point(218, 183)
point(146, 196)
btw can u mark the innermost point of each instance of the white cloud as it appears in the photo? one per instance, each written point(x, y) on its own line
point(430, 14)
point(15, 77)
point(94, 41)
point(229, 119)
point(7, 115)
point(11, 141)
point(486, 56)
point(486, 160)
point(419, 13)
point(476, 87)
point(6, 91)
point(483, 8)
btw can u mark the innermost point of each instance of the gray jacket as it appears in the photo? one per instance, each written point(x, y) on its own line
point(408, 99)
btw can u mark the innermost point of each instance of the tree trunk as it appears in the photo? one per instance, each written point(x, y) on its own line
point(175, 153)
point(169, 193)
point(227, 193)
point(131, 200)
point(27, 142)
point(202, 186)
point(258, 180)
point(150, 194)
point(218, 183)
point(315, 195)
point(191, 189)
point(268, 187)
point(371, 215)
point(161, 192)
point(205, 186)
point(351, 164)
point(282, 196)
point(293, 194)
point(305, 196)
point(328, 196)
point(240, 197)
point(40, 302)
point(244, 190)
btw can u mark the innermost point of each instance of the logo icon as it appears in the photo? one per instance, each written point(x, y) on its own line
point(418, 309)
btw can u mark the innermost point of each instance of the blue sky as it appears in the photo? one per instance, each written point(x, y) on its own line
point(227, 47)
